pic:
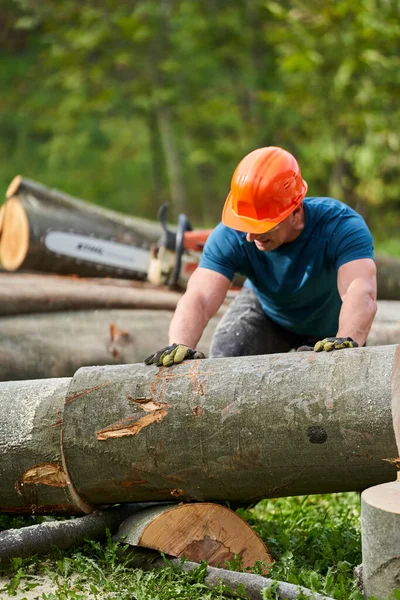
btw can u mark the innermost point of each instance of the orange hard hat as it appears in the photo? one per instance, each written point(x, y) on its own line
point(266, 187)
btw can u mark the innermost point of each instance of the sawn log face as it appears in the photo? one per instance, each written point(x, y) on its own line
point(237, 429)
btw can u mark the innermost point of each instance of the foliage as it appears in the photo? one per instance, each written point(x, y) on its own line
point(129, 104)
point(314, 540)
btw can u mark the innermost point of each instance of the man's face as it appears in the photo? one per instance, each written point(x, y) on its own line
point(285, 232)
point(271, 239)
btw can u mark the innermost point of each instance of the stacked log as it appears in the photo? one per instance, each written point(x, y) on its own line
point(33, 211)
point(27, 293)
point(34, 216)
point(57, 344)
point(238, 429)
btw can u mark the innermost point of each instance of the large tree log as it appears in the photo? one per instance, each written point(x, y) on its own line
point(57, 344)
point(151, 230)
point(33, 478)
point(380, 529)
point(27, 221)
point(386, 326)
point(200, 531)
point(240, 429)
point(36, 293)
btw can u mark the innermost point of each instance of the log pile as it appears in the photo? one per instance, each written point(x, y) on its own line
point(32, 212)
point(80, 332)
point(36, 225)
point(55, 344)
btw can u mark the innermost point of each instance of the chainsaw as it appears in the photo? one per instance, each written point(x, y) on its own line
point(168, 262)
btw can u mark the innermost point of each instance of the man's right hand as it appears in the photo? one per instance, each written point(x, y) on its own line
point(172, 355)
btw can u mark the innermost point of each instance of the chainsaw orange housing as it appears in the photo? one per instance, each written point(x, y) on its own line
point(266, 187)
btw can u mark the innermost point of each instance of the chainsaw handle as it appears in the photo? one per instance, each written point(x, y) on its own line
point(183, 227)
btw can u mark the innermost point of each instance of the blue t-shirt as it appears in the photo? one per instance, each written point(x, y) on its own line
point(297, 282)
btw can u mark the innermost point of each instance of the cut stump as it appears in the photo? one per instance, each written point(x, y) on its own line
point(199, 532)
point(380, 529)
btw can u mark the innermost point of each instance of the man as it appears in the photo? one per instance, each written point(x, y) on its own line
point(311, 277)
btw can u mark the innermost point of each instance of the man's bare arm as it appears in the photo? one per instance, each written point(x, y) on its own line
point(205, 293)
point(356, 283)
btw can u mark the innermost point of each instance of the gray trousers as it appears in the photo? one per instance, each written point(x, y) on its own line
point(246, 330)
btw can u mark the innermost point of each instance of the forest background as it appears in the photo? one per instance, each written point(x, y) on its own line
point(131, 104)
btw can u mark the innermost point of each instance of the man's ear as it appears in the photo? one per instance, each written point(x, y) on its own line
point(298, 212)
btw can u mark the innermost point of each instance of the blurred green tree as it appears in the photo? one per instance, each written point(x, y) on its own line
point(131, 104)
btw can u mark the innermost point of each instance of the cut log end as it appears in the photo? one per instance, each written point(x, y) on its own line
point(380, 533)
point(198, 532)
point(14, 186)
point(14, 242)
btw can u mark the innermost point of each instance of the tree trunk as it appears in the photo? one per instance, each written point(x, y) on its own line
point(142, 227)
point(380, 529)
point(37, 293)
point(39, 539)
point(57, 344)
point(200, 531)
point(33, 477)
point(29, 223)
point(238, 429)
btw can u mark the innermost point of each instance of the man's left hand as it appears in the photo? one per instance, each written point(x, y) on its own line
point(334, 343)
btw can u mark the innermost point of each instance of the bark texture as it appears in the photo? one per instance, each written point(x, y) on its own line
point(380, 529)
point(57, 344)
point(200, 531)
point(26, 221)
point(39, 539)
point(240, 429)
point(22, 185)
point(34, 293)
point(237, 583)
point(32, 474)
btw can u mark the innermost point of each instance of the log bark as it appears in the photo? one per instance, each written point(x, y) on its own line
point(236, 583)
point(39, 539)
point(22, 185)
point(33, 477)
point(36, 293)
point(238, 429)
point(27, 220)
point(201, 531)
point(386, 326)
point(57, 344)
point(380, 529)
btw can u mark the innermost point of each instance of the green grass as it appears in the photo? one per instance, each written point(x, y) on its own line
point(314, 540)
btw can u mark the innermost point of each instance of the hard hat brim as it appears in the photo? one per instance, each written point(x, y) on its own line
point(249, 225)
point(245, 224)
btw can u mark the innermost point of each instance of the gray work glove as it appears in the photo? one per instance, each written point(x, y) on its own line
point(172, 355)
